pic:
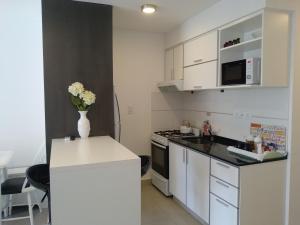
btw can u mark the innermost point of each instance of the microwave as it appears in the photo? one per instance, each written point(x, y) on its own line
point(246, 71)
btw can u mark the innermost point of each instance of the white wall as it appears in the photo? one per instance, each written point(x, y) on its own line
point(167, 111)
point(293, 179)
point(138, 66)
point(222, 12)
point(270, 106)
point(22, 128)
point(219, 108)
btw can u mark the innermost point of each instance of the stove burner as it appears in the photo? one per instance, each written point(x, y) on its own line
point(172, 133)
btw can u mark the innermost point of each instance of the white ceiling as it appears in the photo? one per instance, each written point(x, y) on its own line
point(170, 13)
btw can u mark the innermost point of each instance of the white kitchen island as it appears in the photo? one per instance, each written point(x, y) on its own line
point(94, 181)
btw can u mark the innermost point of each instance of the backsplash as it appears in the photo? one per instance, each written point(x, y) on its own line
point(167, 110)
point(230, 112)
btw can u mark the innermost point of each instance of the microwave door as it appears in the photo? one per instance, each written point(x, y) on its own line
point(234, 73)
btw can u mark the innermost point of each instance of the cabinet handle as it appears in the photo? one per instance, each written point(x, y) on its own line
point(221, 183)
point(223, 165)
point(198, 60)
point(187, 157)
point(183, 155)
point(197, 87)
point(172, 74)
point(222, 203)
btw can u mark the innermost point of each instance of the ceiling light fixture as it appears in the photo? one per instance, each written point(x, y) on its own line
point(148, 8)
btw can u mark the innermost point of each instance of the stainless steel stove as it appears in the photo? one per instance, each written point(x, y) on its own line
point(162, 137)
point(160, 158)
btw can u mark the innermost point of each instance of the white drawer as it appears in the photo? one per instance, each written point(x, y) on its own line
point(225, 172)
point(222, 213)
point(225, 191)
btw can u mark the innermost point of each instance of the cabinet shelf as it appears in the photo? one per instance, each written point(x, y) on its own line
point(245, 46)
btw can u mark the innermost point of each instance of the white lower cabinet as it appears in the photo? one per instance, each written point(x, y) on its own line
point(189, 179)
point(198, 184)
point(224, 191)
point(222, 194)
point(177, 174)
point(222, 213)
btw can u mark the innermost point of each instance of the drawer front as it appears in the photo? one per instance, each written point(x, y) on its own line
point(224, 191)
point(221, 213)
point(225, 172)
point(201, 49)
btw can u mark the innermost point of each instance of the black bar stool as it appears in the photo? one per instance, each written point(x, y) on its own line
point(39, 177)
point(14, 186)
point(145, 164)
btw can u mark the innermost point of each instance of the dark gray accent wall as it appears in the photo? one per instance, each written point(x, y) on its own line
point(77, 41)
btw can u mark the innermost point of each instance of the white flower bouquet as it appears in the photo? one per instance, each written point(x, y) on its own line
point(82, 99)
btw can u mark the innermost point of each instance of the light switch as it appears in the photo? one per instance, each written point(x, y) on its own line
point(130, 110)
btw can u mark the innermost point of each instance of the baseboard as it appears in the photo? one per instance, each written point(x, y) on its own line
point(146, 181)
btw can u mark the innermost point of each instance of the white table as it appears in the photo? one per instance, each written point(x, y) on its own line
point(5, 157)
point(94, 181)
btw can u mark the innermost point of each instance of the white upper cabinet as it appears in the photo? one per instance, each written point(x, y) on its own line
point(202, 76)
point(201, 49)
point(275, 49)
point(264, 35)
point(178, 62)
point(198, 184)
point(174, 63)
point(169, 65)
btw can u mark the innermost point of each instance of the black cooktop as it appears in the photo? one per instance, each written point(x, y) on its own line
point(216, 147)
point(173, 134)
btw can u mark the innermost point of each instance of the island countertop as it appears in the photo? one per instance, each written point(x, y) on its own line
point(92, 180)
point(88, 151)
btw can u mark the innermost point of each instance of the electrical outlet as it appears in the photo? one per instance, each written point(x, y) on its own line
point(236, 114)
point(242, 115)
point(130, 110)
point(248, 115)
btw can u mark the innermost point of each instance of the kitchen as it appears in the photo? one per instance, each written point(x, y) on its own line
point(147, 104)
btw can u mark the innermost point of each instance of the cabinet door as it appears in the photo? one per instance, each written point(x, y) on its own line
point(178, 62)
point(276, 32)
point(201, 49)
point(221, 213)
point(202, 76)
point(177, 178)
point(169, 64)
point(198, 184)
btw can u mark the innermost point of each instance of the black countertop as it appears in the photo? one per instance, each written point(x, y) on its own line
point(218, 149)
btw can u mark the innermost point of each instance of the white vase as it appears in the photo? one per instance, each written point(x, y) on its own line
point(83, 125)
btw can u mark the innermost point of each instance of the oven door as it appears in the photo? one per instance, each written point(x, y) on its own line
point(160, 159)
point(234, 73)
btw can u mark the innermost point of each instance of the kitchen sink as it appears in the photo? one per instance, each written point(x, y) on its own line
point(196, 140)
point(217, 140)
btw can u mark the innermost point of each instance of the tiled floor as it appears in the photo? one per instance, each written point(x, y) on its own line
point(156, 210)
point(159, 210)
point(39, 218)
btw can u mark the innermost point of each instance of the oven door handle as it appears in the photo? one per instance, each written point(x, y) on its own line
point(158, 145)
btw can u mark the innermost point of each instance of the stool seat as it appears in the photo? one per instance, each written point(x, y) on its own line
point(145, 163)
point(13, 186)
point(39, 177)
